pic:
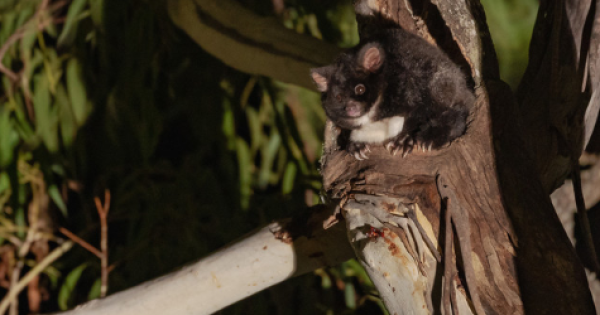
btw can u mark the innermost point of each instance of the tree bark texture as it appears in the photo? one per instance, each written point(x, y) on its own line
point(499, 174)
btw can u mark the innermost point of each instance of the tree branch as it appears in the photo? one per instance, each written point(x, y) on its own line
point(270, 255)
point(559, 85)
point(251, 43)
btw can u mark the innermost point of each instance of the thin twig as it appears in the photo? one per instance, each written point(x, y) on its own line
point(35, 271)
point(102, 213)
point(81, 242)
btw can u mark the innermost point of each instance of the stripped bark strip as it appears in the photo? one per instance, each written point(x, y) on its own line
point(446, 292)
point(460, 219)
point(411, 215)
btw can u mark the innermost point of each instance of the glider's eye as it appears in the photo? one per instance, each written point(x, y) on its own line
point(360, 89)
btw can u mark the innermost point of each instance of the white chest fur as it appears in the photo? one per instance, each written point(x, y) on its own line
point(378, 131)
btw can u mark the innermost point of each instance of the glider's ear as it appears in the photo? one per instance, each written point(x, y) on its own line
point(371, 57)
point(321, 77)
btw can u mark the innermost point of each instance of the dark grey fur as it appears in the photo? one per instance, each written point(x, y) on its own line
point(417, 81)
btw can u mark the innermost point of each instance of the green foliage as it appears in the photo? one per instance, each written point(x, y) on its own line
point(109, 95)
point(511, 26)
point(74, 15)
point(68, 286)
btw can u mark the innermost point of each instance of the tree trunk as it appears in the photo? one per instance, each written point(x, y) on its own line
point(498, 176)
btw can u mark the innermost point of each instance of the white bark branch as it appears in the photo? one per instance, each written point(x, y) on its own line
point(260, 260)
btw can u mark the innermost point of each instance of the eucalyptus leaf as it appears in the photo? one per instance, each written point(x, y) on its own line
point(350, 295)
point(54, 194)
point(9, 138)
point(228, 125)
point(68, 125)
point(245, 171)
point(255, 126)
point(25, 13)
point(66, 290)
point(34, 62)
point(4, 182)
point(268, 153)
point(289, 177)
point(95, 290)
point(96, 8)
point(5, 190)
point(77, 93)
point(45, 116)
point(72, 21)
point(8, 25)
point(27, 42)
point(20, 220)
point(24, 128)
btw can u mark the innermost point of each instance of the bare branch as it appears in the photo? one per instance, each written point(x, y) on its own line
point(266, 257)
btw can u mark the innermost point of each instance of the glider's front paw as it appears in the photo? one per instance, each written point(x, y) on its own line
point(359, 150)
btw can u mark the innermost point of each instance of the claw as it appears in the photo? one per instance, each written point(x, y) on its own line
point(406, 151)
point(429, 147)
point(358, 150)
point(390, 147)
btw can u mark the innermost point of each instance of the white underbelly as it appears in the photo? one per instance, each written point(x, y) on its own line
point(379, 131)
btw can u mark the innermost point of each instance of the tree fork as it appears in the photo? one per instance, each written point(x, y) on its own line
point(516, 236)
